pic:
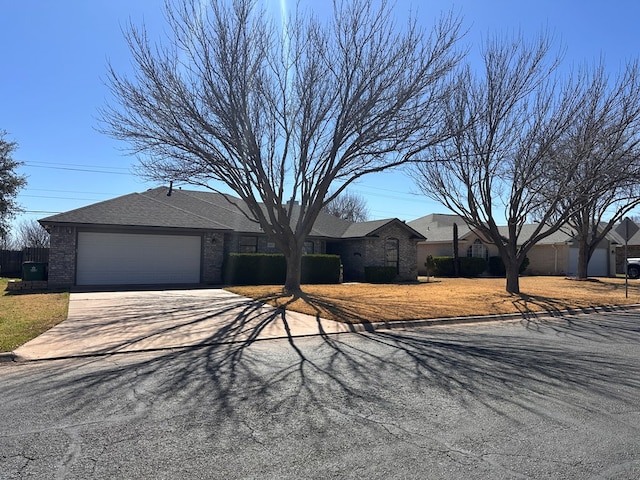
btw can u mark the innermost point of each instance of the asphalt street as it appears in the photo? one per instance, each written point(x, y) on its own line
point(547, 398)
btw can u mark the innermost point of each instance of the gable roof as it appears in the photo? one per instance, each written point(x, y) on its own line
point(202, 211)
point(371, 228)
point(438, 228)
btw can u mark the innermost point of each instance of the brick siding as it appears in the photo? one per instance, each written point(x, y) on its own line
point(212, 257)
point(62, 257)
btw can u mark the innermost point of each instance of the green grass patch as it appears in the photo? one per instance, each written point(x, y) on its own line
point(24, 316)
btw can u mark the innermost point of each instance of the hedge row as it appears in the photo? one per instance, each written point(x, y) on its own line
point(271, 269)
point(471, 266)
point(496, 266)
point(380, 274)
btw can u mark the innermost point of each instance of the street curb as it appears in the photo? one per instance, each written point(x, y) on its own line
point(7, 357)
point(373, 326)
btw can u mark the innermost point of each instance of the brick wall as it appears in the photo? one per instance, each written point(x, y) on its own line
point(408, 253)
point(21, 286)
point(62, 257)
point(633, 251)
point(548, 260)
point(212, 257)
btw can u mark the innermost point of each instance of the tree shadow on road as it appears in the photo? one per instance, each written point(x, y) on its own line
point(532, 305)
point(243, 383)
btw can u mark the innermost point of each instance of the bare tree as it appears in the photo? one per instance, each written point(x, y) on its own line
point(605, 142)
point(10, 184)
point(348, 206)
point(498, 163)
point(8, 242)
point(29, 233)
point(279, 114)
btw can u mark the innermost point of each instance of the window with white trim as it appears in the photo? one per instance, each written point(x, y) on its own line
point(478, 250)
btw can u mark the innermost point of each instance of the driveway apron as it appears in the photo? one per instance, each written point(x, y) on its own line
point(116, 322)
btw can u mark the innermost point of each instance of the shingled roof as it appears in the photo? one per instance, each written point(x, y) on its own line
point(198, 210)
point(438, 227)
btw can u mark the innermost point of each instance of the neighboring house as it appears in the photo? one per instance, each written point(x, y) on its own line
point(164, 236)
point(556, 254)
point(632, 251)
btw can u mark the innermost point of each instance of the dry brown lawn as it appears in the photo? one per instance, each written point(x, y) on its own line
point(447, 297)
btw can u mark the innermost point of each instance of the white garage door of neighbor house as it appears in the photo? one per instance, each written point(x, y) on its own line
point(137, 259)
point(598, 264)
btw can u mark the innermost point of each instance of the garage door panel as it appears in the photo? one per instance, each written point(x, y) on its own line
point(121, 259)
point(598, 264)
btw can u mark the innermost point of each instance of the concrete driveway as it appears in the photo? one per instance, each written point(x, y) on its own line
point(115, 322)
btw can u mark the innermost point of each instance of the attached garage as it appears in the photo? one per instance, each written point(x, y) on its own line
point(137, 259)
point(599, 264)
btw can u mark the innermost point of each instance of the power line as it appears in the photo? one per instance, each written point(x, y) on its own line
point(58, 198)
point(77, 169)
point(67, 191)
point(40, 211)
point(82, 165)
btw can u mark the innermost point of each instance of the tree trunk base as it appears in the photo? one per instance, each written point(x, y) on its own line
point(293, 291)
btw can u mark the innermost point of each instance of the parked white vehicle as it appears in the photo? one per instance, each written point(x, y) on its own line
point(633, 267)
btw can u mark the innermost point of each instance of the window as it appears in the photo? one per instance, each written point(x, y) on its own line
point(392, 253)
point(248, 244)
point(308, 248)
point(478, 250)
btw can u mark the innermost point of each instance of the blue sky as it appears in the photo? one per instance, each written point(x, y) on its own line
point(53, 66)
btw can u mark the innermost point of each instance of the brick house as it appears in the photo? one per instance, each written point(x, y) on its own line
point(632, 251)
point(556, 254)
point(164, 236)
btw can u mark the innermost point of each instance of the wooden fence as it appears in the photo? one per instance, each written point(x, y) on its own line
point(11, 260)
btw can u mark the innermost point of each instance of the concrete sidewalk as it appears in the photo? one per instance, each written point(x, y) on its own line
point(102, 323)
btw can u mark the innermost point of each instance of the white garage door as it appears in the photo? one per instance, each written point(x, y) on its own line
point(136, 259)
point(598, 264)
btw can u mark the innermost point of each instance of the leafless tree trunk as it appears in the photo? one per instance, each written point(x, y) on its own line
point(348, 206)
point(456, 253)
point(279, 114)
point(504, 125)
point(605, 142)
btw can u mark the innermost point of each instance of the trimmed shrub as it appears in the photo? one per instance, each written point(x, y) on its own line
point(320, 269)
point(496, 266)
point(472, 266)
point(380, 274)
point(443, 266)
point(271, 269)
point(254, 269)
point(469, 266)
